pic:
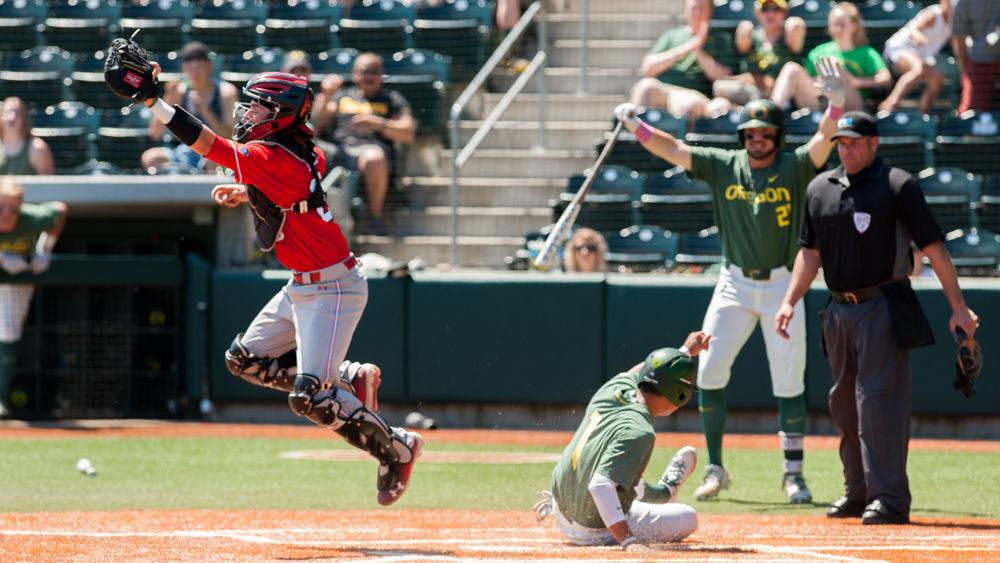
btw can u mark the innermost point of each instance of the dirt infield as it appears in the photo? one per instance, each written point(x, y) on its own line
point(457, 535)
point(410, 535)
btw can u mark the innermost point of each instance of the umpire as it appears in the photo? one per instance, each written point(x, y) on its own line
point(861, 219)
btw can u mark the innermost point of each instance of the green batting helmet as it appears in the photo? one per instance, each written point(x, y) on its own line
point(761, 113)
point(672, 373)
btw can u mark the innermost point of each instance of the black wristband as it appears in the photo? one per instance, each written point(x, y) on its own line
point(185, 126)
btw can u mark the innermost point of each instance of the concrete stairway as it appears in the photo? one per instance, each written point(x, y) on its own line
point(505, 186)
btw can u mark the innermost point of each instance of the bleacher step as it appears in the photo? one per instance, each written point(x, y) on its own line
point(558, 107)
point(566, 80)
point(652, 7)
point(483, 192)
point(611, 26)
point(488, 252)
point(525, 134)
point(473, 221)
point(601, 53)
point(521, 163)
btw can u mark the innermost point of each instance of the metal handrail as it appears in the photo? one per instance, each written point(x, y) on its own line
point(459, 158)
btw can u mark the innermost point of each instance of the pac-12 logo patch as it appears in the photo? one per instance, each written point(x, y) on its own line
point(862, 221)
point(245, 151)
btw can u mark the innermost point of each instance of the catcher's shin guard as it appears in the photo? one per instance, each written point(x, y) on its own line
point(331, 405)
point(274, 373)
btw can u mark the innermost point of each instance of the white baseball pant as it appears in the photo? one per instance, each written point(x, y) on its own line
point(15, 302)
point(650, 523)
point(737, 305)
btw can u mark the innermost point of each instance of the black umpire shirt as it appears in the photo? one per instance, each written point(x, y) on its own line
point(862, 224)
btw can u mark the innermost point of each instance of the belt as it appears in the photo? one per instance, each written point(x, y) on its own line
point(856, 296)
point(305, 278)
point(750, 274)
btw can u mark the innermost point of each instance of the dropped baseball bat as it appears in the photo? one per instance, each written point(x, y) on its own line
point(560, 232)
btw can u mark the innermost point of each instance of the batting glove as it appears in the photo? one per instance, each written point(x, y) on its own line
point(40, 262)
point(831, 83)
point(13, 263)
point(626, 113)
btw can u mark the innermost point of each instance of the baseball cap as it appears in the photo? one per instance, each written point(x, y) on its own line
point(856, 124)
point(783, 4)
point(295, 59)
point(195, 51)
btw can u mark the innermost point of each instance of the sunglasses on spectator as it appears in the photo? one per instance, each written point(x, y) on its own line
point(369, 71)
point(764, 136)
point(587, 247)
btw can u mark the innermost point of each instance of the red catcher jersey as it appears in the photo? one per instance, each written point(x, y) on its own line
point(309, 242)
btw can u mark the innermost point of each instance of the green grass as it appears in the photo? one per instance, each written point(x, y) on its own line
point(185, 473)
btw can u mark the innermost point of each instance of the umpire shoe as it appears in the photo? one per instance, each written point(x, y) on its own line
point(393, 479)
point(716, 479)
point(845, 508)
point(880, 513)
point(680, 468)
point(796, 488)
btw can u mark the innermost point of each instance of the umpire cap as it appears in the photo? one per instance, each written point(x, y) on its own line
point(672, 373)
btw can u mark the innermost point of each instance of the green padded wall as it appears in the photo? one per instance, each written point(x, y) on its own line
point(524, 338)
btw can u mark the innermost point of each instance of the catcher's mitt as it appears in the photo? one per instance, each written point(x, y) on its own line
point(969, 363)
point(128, 73)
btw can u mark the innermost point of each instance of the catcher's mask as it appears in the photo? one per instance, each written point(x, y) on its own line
point(288, 98)
point(763, 114)
point(672, 373)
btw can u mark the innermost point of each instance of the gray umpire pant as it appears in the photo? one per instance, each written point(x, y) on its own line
point(870, 401)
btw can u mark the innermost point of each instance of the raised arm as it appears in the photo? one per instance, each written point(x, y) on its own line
point(831, 84)
point(660, 143)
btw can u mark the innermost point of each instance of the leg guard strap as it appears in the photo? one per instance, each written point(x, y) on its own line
point(274, 373)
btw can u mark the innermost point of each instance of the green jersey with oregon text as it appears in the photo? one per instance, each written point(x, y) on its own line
point(758, 211)
point(615, 440)
point(33, 220)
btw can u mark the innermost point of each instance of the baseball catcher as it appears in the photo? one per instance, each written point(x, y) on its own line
point(968, 364)
point(298, 341)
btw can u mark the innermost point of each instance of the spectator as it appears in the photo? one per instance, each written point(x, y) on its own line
point(297, 62)
point(22, 154)
point(585, 252)
point(28, 233)
point(206, 97)
point(357, 127)
point(865, 68)
point(910, 54)
point(685, 55)
point(766, 48)
point(976, 45)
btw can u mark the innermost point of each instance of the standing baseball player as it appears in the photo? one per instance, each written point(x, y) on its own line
point(28, 233)
point(598, 495)
point(758, 193)
point(310, 322)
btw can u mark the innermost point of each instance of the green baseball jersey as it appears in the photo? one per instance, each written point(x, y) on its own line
point(33, 221)
point(758, 211)
point(767, 58)
point(862, 61)
point(687, 72)
point(615, 440)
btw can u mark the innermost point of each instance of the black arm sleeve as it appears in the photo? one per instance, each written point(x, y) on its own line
point(185, 126)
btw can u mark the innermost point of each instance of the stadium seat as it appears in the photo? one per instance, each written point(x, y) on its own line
point(952, 193)
point(381, 26)
point(627, 150)
point(816, 14)
point(308, 26)
point(19, 21)
point(970, 141)
point(884, 17)
point(422, 78)
point(904, 139)
point(674, 201)
point(69, 129)
point(989, 204)
point(83, 26)
point(165, 25)
point(641, 248)
point(333, 61)
point(715, 132)
point(800, 126)
point(123, 136)
point(612, 202)
point(975, 252)
point(229, 26)
point(88, 82)
point(39, 76)
point(458, 29)
point(727, 14)
point(698, 251)
point(239, 69)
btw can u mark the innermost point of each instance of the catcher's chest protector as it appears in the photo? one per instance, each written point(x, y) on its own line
point(268, 217)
